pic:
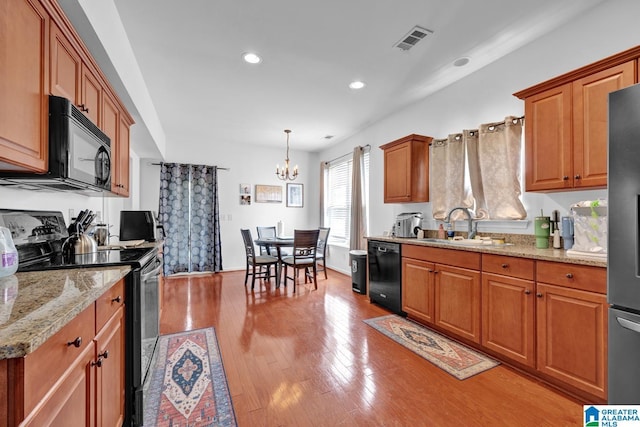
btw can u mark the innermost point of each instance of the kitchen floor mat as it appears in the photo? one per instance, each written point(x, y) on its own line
point(450, 356)
point(188, 383)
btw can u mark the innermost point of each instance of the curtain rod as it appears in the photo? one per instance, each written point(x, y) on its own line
point(345, 155)
point(219, 168)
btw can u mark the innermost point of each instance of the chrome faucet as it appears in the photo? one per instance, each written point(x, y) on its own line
point(472, 228)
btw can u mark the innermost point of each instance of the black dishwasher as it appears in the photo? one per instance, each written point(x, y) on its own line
point(385, 274)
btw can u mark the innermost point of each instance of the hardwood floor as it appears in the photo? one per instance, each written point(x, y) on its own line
point(307, 359)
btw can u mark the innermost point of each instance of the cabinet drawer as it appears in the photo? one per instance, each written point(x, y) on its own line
point(521, 268)
point(109, 303)
point(582, 277)
point(462, 259)
point(43, 367)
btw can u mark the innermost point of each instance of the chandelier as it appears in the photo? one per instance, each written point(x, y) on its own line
point(283, 173)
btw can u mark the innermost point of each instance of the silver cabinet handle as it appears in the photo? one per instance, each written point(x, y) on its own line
point(628, 324)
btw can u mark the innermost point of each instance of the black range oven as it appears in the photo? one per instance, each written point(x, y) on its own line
point(38, 236)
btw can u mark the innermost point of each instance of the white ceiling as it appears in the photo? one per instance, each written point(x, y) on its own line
point(190, 56)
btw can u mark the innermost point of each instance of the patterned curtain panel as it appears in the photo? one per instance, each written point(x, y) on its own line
point(447, 188)
point(498, 162)
point(189, 213)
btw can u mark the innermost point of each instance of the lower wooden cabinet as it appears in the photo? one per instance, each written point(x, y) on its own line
point(418, 289)
point(457, 301)
point(508, 317)
point(68, 404)
point(548, 318)
point(76, 378)
point(109, 362)
point(572, 337)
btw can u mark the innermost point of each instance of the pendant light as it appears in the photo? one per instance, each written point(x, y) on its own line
point(284, 174)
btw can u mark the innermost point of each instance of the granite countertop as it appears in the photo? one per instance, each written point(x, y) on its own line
point(36, 305)
point(522, 250)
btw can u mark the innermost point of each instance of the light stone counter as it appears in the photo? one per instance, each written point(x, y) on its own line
point(517, 250)
point(36, 305)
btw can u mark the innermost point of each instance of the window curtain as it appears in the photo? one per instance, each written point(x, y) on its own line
point(494, 164)
point(447, 177)
point(324, 169)
point(358, 225)
point(189, 213)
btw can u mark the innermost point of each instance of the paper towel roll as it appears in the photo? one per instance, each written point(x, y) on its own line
point(280, 229)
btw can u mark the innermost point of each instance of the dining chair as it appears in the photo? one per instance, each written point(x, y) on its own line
point(266, 233)
point(303, 258)
point(256, 263)
point(321, 251)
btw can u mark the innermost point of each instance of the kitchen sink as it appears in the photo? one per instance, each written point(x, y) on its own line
point(474, 243)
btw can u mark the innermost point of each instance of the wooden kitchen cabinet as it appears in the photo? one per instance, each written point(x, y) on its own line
point(406, 169)
point(116, 126)
point(120, 157)
point(508, 307)
point(24, 82)
point(418, 289)
point(566, 124)
point(110, 372)
point(42, 55)
point(456, 289)
point(457, 301)
point(571, 313)
point(77, 376)
point(66, 67)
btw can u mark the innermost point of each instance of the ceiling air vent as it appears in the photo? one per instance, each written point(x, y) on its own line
point(414, 36)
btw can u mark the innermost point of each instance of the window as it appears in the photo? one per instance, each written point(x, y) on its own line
point(337, 197)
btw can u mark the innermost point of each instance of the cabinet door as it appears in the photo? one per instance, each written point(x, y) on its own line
point(109, 125)
point(572, 337)
point(110, 372)
point(508, 314)
point(65, 67)
point(397, 174)
point(418, 289)
point(590, 119)
point(72, 400)
point(91, 95)
point(457, 301)
point(122, 158)
point(24, 82)
point(548, 164)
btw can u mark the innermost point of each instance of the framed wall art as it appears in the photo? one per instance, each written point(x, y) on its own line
point(295, 195)
point(245, 194)
point(268, 193)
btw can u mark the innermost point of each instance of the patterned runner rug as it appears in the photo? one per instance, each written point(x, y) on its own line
point(450, 356)
point(188, 386)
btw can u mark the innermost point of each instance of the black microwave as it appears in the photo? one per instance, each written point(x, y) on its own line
point(79, 154)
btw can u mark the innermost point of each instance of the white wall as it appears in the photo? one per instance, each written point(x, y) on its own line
point(486, 96)
point(247, 165)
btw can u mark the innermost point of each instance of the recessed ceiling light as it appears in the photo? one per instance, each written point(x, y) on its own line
point(461, 62)
point(357, 85)
point(251, 58)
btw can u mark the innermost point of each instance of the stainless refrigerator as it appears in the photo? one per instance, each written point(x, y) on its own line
point(623, 273)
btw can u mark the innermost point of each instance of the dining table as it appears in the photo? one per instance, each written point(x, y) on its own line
point(278, 243)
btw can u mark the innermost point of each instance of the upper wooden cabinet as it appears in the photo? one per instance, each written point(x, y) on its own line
point(566, 124)
point(24, 83)
point(406, 169)
point(42, 55)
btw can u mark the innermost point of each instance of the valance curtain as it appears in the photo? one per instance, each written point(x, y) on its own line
point(447, 176)
point(495, 170)
point(189, 213)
